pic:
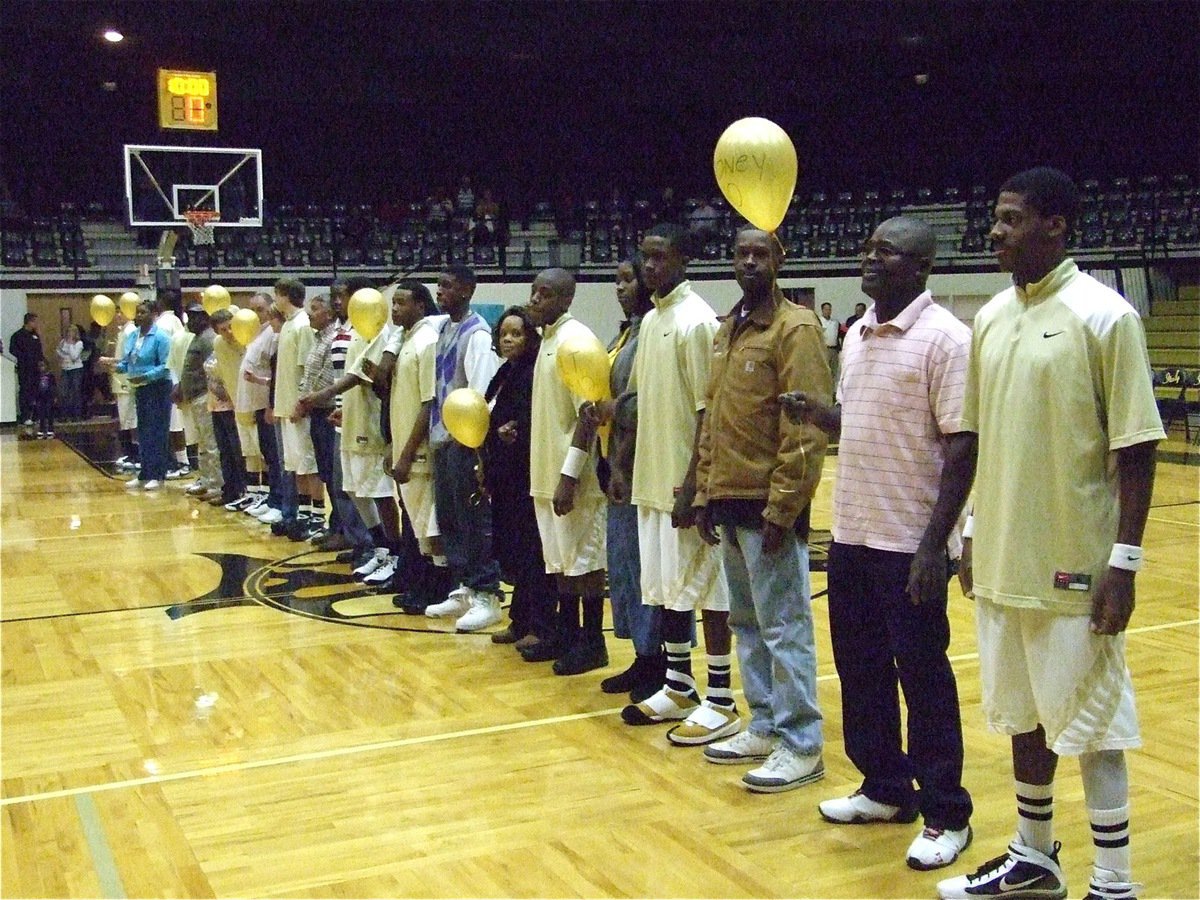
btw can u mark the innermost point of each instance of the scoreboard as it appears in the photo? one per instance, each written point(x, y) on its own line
point(187, 100)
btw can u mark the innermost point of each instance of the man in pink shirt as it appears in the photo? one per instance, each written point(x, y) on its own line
point(897, 498)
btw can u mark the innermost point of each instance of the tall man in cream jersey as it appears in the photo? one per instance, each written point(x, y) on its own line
point(1058, 391)
point(680, 572)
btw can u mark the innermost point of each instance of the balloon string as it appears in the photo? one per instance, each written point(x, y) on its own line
point(779, 243)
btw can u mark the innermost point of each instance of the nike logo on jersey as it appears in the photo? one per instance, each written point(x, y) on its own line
point(1050, 334)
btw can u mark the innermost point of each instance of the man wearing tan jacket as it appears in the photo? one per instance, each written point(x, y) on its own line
point(757, 472)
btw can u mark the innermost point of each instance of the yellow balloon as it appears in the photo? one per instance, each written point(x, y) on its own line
point(214, 297)
point(584, 367)
point(755, 164)
point(103, 310)
point(368, 312)
point(466, 415)
point(245, 326)
point(129, 303)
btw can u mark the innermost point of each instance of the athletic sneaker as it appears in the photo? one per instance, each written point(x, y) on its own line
point(741, 748)
point(1021, 872)
point(378, 559)
point(935, 848)
point(134, 482)
point(484, 612)
point(152, 485)
point(272, 516)
point(705, 724)
point(242, 502)
point(859, 809)
point(1101, 889)
point(455, 605)
point(257, 506)
point(178, 472)
point(784, 770)
point(199, 486)
point(383, 573)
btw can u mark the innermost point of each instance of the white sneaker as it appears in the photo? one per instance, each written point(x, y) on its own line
point(859, 809)
point(152, 485)
point(456, 604)
point(379, 559)
point(199, 486)
point(1020, 872)
point(784, 770)
point(134, 481)
point(484, 611)
point(178, 472)
point(741, 748)
point(258, 506)
point(934, 848)
point(271, 516)
point(383, 572)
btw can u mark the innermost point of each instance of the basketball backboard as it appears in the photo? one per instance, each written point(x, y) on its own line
point(163, 183)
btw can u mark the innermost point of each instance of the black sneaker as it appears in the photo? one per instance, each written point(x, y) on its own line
point(1112, 890)
point(1021, 872)
point(625, 681)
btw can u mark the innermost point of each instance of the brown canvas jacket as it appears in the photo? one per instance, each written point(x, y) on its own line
point(748, 447)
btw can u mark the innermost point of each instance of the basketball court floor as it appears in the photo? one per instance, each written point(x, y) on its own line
point(192, 708)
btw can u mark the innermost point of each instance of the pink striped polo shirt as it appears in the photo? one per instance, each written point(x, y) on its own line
point(901, 389)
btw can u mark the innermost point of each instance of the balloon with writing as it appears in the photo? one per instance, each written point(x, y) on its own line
point(755, 164)
point(103, 310)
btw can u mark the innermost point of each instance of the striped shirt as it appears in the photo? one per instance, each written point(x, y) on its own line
point(901, 390)
point(337, 356)
point(318, 368)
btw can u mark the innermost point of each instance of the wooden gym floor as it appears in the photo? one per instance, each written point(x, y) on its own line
point(194, 709)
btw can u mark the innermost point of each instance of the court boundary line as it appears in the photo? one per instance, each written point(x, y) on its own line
point(396, 743)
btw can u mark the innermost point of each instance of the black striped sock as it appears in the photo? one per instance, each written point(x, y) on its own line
point(679, 668)
point(719, 691)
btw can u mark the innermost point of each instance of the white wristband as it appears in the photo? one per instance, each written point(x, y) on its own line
point(1127, 557)
point(969, 528)
point(574, 462)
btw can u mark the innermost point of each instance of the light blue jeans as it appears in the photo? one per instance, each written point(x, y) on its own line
point(632, 619)
point(770, 613)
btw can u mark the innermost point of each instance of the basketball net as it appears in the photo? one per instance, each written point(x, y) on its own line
point(199, 222)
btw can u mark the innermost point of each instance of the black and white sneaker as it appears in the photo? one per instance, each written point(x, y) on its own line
point(1102, 889)
point(1021, 872)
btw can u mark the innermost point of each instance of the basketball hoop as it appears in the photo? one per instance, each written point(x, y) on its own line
point(199, 222)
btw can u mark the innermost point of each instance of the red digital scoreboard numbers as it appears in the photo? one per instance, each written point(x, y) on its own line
point(187, 100)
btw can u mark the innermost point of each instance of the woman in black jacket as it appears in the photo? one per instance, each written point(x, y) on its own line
point(516, 542)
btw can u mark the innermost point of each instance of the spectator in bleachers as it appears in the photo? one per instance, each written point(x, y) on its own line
point(487, 207)
point(464, 201)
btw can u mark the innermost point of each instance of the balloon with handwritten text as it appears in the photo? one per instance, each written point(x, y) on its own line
point(755, 164)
